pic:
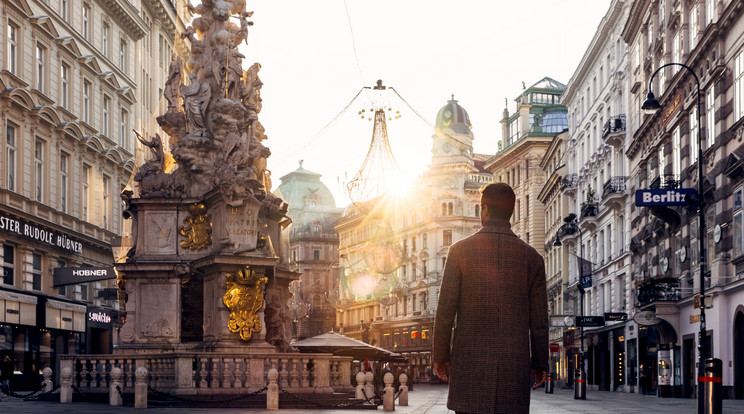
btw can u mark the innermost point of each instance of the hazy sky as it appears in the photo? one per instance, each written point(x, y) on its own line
point(480, 51)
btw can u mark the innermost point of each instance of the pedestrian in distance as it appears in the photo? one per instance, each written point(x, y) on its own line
point(494, 286)
point(6, 373)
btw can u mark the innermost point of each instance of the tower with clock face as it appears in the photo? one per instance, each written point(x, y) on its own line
point(452, 141)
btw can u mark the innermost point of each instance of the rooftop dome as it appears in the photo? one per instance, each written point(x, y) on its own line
point(301, 183)
point(454, 117)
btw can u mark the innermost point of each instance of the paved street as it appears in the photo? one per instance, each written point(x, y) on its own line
point(429, 399)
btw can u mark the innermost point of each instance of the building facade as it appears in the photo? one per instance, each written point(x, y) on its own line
point(597, 193)
point(401, 318)
point(312, 249)
point(708, 37)
point(68, 103)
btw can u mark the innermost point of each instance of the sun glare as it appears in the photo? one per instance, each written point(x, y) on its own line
point(400, 185)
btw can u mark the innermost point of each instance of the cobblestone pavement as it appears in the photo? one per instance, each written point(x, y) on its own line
point(428, 399)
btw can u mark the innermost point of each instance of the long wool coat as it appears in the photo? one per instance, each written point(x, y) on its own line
point(494, 283)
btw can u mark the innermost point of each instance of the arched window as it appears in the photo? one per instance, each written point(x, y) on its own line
point(444, 209)
point(449, 208)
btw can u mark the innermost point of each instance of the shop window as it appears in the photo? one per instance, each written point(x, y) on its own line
point(447, 237)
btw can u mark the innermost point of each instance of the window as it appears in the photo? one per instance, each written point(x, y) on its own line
point(446, 237)
point(38, 169)
point(124, 129)
point(61, 290)
point(413, 244)
point(694, 138)
point(86, 192)
point(64, 161)
point(677, 50)
point(123, 56)
point(106, 114)
point(694, 28)
point(710, 227)
point(63, 6)
point(527, 206)
point(676, 153)
point(84, 292)
point(64, 89)
point(105, 39)
point(12, 63)
point(86, 20)
point(40, 67)
point(710, 117)
point(106, 202)
point(424, 240)
point(738, 86)
point(316, 255)
point(86, 101)
point(450, 210)
point(160, 50)
point(36, 271)
point(477, 210)
point(10, 160)
point(8, 264)
point(710, 10)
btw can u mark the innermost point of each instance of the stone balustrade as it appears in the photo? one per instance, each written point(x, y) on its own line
point(206, 373)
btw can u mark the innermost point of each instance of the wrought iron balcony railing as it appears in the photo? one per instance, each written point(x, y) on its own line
point(589, 210)
point(665, 181)
point(615, 124)
point(614, 185)
point(658, 289)
point(570, 181)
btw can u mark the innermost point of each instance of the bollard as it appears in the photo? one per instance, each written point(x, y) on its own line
point(115, 386)
point(46, 384)
point(388, 393)
point(140, 388)
point(579, 385)
point(65, 390)
point(360, 385)
point(369, 387)
point(272, 394)
point(403, 398)
point(549, 383)
point(711, 385)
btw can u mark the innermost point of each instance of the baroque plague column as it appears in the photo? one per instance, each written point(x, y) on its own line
point(201, 273)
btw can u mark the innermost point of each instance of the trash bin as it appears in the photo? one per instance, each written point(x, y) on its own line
point(549, 383)
point(711, 385)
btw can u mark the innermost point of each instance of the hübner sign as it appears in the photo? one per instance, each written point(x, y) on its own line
point(663, 197)
point(31, 231)
point(70, 275)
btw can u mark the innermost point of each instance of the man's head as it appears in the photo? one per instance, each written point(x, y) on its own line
point(497, 202)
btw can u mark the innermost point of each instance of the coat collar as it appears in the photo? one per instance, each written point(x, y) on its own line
point(497, 226)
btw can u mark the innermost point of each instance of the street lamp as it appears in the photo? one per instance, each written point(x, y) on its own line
point(650, 106)
point(570, 222)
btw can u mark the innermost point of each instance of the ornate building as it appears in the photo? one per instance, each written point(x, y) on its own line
point(71, 94)
point(596, 189)
point(402, 320)
point(312, 249)
point(707, 37)
point(526, 135)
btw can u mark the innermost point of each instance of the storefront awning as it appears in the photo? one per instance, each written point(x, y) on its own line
point(17, 308)
point(65, 315)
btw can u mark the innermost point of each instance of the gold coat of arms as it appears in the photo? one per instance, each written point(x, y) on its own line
point(244, 298)
point(198, 228)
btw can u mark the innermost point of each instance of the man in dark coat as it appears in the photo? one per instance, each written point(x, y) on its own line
point(494, 284)
point(6, 373)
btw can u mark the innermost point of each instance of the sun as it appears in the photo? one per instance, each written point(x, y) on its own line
point(400, 185)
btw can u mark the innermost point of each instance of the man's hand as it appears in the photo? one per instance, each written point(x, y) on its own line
point(442, 370)
point(539, 377)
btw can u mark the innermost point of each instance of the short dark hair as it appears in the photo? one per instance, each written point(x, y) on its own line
point(500, 198)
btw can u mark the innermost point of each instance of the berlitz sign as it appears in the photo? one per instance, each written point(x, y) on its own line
point(663, 197)
point(70, 275)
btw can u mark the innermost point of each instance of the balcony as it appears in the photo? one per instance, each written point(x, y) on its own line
point(658, 289)
point(569, 184)
point(589, 210)
point(613, 132)
point(613, 192)
point(665, 181)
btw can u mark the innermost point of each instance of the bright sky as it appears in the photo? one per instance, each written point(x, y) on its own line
point(480, 51)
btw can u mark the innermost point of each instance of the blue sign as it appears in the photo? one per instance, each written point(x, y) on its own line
point(663, 197)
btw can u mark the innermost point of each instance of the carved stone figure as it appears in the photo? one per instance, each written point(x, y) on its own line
point(195, 100)
point(277, 320)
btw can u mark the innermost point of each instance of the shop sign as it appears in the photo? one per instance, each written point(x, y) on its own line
point(39, 234)
point(99, 318)
point(646, 318)
point(616, 316)
point(663, 197)
point(590, 321)
point(71, 275)
point(670, 110)
point(554, 347)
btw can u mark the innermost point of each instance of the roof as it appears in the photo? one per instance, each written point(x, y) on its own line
point(301, 183)
point(548, 83)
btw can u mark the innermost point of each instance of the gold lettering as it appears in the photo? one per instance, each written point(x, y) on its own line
point(234, 210)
